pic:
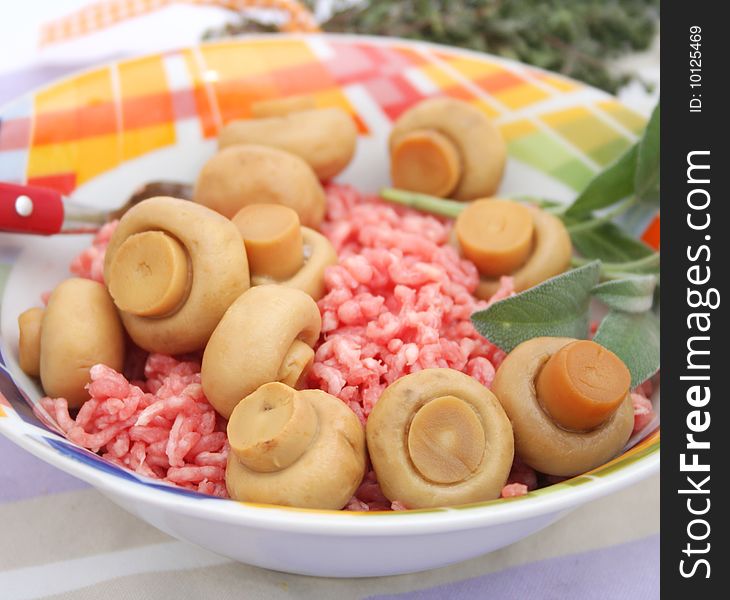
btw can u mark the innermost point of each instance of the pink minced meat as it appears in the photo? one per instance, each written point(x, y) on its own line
point(162, 427)
point(90, 263)
point(399, 301)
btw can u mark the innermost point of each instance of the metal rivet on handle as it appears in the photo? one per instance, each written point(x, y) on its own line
point(24, 206)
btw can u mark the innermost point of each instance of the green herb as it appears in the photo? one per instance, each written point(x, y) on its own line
point(560, 307)
point(576, 38)
point(609, 186)
point(634, 295)
point(423, 202)
point(609, 243)
point(634, 338)
point(556, 307)
point(646, 183)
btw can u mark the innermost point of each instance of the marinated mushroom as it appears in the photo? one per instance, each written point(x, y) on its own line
point(266, 335)
point(281, 251)
point(294, 448)
point(278, 107)
point(438, 437)
point(324, 138)
point(173, 268)
point(502, 237)
point(29, 341)
point(80, 327)
point(248, 174)
point(447, 147)
point(568, 401)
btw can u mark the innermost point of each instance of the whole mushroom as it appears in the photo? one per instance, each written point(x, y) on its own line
point(281, 251)
point(447, 147)
point(438, 437)
point(281, 105)
point(173, 268)
point(252, 174)
point(29, 341)
point(266, 335)
point(568, 401)
point(79, 328)
point(294, 448)
point(324, 138)
point(503, 237)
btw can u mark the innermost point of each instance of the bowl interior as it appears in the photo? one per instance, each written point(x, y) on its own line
point(99, 134)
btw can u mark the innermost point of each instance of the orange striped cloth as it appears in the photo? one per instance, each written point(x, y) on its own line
point(106, 13)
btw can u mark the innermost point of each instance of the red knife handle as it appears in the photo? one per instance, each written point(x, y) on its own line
point(29, 209)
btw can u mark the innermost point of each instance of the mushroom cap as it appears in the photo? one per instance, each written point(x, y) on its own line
point(479, 144)
point(279, 106)
point(325, 138)
point(251, 174)
point(80, 328)
point(444, 400)
point(550, 255)
point(217, 272)
point(261, 333)
point(325, 475)
point(539, 441)
point(29, 341)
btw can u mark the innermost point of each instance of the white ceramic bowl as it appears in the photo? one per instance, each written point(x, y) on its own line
point(105, 131)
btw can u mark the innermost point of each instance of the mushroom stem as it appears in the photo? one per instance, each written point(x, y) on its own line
point(426, 161)
point(270, 429)
point(29, 342)
point(582, 385)
point(149, 276)
point(496, 235)
point(446, 440)
point(296, 362)
point(273, 238)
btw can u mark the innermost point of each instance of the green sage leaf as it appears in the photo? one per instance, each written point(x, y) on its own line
point(609, 186)
point(646, 184)
point(609, 243)
point(634, 338)
point(555, 307)
point(634, 295)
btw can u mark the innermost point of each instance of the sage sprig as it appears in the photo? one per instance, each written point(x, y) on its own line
point(560, 307)
point(556, 307)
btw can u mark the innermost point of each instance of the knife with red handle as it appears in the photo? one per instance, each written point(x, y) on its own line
point(42, 211)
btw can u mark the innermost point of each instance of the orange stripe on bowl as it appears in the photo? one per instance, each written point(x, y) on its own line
point(651, 235)
point(75, 124)
point(61, 182)
point(145, 111)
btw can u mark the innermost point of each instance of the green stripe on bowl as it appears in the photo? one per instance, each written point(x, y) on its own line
point(608, 153)
point(627, 117)
point(541, 151)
